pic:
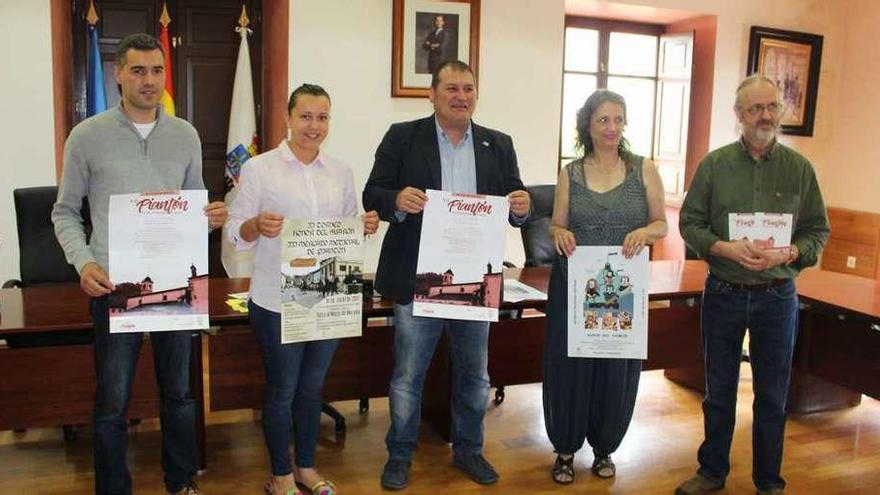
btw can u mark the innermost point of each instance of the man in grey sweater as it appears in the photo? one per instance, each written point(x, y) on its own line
point(132, 148)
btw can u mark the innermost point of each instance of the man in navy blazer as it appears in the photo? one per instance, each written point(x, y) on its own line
point(444, 151)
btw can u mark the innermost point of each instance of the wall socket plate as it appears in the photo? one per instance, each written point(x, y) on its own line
point(850, 261)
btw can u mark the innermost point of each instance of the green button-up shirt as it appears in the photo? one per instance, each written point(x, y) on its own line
point(729, 180)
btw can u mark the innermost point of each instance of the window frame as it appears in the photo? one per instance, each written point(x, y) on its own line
point(605, 27)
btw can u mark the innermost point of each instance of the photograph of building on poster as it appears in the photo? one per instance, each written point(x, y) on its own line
point(441, 288)
point(139, 298)
point(329, 277)
point(608, 300)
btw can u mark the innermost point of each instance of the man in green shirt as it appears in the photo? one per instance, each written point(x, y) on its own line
point(750, 286)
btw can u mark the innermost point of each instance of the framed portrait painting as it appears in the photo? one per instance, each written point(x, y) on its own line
point(427, 33)
point(792, 61)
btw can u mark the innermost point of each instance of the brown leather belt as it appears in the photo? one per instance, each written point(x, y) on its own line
point(760, 287)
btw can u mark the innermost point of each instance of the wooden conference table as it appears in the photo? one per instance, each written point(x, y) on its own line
point(838, 346)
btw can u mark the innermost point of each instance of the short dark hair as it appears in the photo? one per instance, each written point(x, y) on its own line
point(306, 89)
point(585, 115)
point(456, 65)
point(137, 41)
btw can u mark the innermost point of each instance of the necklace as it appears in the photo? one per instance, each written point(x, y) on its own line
point(602, 171)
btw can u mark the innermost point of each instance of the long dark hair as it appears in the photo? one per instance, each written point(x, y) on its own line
point(585, 115)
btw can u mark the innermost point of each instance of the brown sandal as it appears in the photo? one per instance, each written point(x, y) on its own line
point(563, 470)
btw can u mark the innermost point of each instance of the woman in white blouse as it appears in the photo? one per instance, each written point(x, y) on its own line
point(294, 180)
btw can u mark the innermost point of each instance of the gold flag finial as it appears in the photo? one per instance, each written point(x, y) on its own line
point(92, 15)
point(243, 21)
point(164, 19)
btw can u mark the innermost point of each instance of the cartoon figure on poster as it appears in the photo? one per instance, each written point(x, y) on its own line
point(608, 305)
point(614, 299)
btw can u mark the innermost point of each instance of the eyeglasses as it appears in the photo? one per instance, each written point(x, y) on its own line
point(758, 108)
point(606, 121)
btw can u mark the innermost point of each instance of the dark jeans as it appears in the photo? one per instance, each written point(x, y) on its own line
point(294, 379)
point(116, 356)
point(771, 318)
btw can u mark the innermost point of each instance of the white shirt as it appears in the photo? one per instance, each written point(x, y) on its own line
point(277, 182)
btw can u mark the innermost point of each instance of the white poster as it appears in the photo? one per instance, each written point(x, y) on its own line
point(608, 303)
point(459, 273)
point(321, 279)
point(158, 261)
point(765, 230)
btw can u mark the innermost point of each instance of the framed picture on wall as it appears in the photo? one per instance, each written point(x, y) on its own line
point(427, 33)
point(792, 60)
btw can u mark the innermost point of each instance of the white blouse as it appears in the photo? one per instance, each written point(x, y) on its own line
point(277, 182)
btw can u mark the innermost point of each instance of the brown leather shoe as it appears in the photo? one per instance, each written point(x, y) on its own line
point(698, 485)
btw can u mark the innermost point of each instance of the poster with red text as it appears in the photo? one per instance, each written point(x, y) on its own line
point(158, 261)
point(459, 272)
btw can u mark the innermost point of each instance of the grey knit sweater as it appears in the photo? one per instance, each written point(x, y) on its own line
point(106, 155)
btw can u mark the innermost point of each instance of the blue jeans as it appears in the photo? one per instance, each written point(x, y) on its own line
point(415, 339)
point(116, 356)
point(294, 379)
point(771, 317)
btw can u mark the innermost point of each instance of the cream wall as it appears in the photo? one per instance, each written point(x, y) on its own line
point(849, 93)
point(348, 51)
point(26, 129)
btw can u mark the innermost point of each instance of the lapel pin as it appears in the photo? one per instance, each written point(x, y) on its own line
point(485, 143)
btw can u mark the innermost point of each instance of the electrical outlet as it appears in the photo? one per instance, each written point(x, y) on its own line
point(851, 262)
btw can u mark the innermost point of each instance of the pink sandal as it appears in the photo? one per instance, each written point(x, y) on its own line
point(321, 487)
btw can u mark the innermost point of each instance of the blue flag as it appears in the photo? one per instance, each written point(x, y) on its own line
point(96, 101)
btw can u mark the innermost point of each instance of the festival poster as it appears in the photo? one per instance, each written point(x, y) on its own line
point(608, 303)
point(321, 278)
point(765, 230)
point(459, 272)
point(158, 246)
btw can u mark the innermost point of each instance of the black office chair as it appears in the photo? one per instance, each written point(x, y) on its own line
point(539, 249)
point(42, 262)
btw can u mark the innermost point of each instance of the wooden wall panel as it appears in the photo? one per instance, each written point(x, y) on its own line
point(853, 233)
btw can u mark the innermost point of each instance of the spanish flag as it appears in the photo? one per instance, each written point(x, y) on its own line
point(168, 94)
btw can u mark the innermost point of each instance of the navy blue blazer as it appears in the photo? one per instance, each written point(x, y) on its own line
point(410, 156)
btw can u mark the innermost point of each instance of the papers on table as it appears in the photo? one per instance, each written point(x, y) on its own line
point(321, 280)
point(459, 272)
point(516, 291)
point(608, 303)
point(158, 246)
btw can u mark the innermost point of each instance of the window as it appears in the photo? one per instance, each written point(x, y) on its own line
point(619, 56)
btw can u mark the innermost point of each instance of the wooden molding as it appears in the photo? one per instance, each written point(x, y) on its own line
point(276, 26)
point(853, 233)
point(62, 77)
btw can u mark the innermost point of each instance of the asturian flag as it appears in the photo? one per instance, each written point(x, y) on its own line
point(96, 99)
point(241, 145)
point(168, 94)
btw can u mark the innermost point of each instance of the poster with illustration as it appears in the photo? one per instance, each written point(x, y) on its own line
point(321, 279)
point(765, 230)
point(459, 272)
point(608, 303)
point(158, 247)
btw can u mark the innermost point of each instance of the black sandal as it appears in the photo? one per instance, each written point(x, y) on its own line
point(563, 470)
point(603, 467)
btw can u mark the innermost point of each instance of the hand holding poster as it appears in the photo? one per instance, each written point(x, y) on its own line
point(321, 279)
point(459, 273)
point(608, 303)
point(158, 261)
